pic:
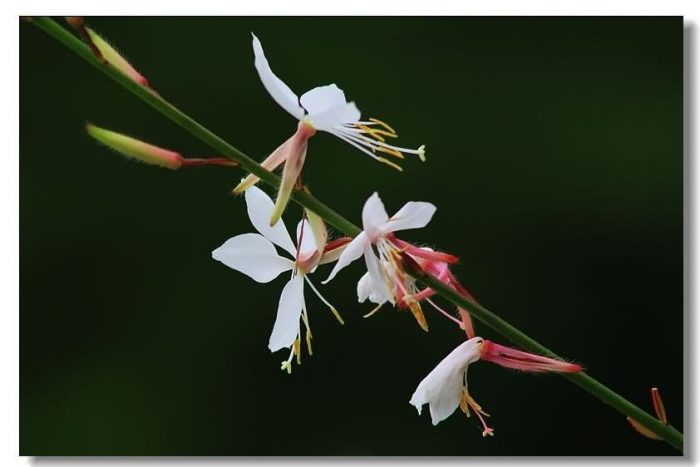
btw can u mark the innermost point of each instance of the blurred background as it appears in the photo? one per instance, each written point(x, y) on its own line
point(555, 158)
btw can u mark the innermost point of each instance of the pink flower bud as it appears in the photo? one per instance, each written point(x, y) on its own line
point(518, 360)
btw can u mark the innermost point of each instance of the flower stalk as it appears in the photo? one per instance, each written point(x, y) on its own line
point(510, 332)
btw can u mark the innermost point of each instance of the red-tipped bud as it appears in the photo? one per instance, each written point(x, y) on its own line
point(518, 360)
point(136, 149)
point(113, 57)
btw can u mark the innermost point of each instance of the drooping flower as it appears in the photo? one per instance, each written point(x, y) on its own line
point(255, 255)
point(323, 108)
point(445, 388)
point(386, 280)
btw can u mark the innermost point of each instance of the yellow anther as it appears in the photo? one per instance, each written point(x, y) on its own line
point(387, 127)
point(464, 403)
point(308, 342)
point(393, 152)
point(374, 133)
point(337, 315)
point(418, 314)
point(390, 164)
point(297, 350)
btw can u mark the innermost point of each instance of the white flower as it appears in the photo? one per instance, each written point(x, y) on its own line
point(445, 388)
point(385, 280)
point(325, 109)
point(255, 255)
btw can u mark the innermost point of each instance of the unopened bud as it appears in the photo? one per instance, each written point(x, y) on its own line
point(135, 149)
point(114, 58)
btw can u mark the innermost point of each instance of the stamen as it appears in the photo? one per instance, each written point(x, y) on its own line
point(305, 319)
point(393, 152)
point(376, 309)
point(332, 308)
point(389, 163)
point(381, 123)
point(297, 350)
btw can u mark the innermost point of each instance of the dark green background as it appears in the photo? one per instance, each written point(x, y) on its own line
point(555, 160)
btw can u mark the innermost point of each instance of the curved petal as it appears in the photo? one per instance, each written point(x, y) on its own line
point(307, 246)
point(322, 98)
point(286, 327)
point(413, 215)
point(378, 280)
point(279, 91)
point(260, 208)
point(351, 252)
point(442, 388)
point(254, 256)
point(366, 289)
point(373, 216)
point(327, 120)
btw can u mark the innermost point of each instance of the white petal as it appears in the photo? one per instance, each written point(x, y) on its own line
point(286, 327)
point(366, 288)
point(442, 388)
point(279, 91)
point(322, 98)
point(308, 242)
point(351, 252)
point(413, 215)
point(326, 121)
point(260, 208)
point(378, 279)
point(254, 256)
point(373, 216)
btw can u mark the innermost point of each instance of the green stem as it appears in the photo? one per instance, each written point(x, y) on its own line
point(592, 386)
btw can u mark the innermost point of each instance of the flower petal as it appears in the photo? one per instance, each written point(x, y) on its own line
point(373, 216)
point(366, 289)
point(322, 98)
point(307, 246)
point(378, 280)
point(327, 120)
point(286, 328)
point(442, 388)
point(260, 209)
point(413, 215)
point(351, 252)
point(279, 91)
point(254, 256)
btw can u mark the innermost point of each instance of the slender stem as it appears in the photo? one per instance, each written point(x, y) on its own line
point(587, 383)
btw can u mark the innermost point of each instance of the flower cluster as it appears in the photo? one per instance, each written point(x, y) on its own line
point(392, 264)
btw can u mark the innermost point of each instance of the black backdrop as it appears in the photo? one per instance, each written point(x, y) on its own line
point(555, 160)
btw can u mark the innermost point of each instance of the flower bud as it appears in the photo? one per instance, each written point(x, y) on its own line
point(135, 149)
point(114, 58)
